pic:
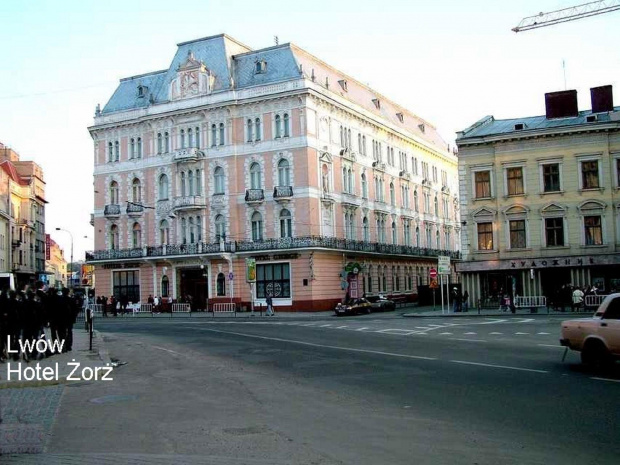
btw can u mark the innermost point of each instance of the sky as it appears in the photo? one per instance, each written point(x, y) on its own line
point(450, 62)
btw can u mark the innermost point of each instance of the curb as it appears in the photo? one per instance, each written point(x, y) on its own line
point(504, 315)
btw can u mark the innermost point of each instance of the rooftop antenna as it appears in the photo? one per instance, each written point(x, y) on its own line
point(564, 69)
point(276, 40)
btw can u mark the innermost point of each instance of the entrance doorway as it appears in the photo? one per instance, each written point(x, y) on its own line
point(194, 288)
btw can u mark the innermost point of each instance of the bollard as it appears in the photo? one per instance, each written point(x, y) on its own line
point(479, 306)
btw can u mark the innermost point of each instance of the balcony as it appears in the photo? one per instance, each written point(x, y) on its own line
point(254, 195)
point(218, 200)
point(189, 202)
point(92, 219)
point(112, 211)
point(283, 193)
point(188, 155)
point(280, 244)
point(134, 210)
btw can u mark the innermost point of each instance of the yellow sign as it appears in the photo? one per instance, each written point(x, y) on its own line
point(250, 270)
point(434, 284)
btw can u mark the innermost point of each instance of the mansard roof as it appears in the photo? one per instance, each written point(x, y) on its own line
point(233, 65)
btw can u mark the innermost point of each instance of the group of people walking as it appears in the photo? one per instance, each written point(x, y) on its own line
point(25, 315)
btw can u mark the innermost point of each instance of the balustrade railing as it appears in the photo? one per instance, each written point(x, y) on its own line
point(286, 243)
point(282, 192)
point(112, 210)
point(133, 208)
point(254, 195)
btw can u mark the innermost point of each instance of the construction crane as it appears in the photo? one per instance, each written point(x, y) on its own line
point(567, 14)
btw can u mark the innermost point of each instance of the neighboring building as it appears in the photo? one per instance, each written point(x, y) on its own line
point(5, 223)
point(540, 199)
point(56, 265)
point(270, 154)
point(26, 198)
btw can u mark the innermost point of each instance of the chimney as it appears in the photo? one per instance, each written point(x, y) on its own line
point(602, 99)
point(561, 104)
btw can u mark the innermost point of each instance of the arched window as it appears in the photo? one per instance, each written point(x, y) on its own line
point(190, 181)
point(255, 176)
point(163, 187)
point(136, 190)
point(257, 133)
point(114, 193)
point(366, 229)
point(278, 127)
point(221, 285)
point(287, 128)
point(415, 200)
point(369, 279)
point(114, 237)
point(117, 151)
point(394, 233)
point(136, 236)
point(218, 178)
point(220, 228)
point(417, 236)
point(184, 230)
point(284, 173)
point(190, 137)
point(183, 184)
point(436, 207)
point(222, 139)
point(182, 138)
point(197, 137)
point(213, 135)
point(257, 226)
point(192, 230)
point(349, 145)
point(249, 130)
point(165, 286)
point(132, 148)
point(110, 152)
point(164, 232)
point(397, 279)
point(364, 186)
point(139, 154)
point(166, 142)
point(392, 195)
point(384, 278)
point(198, 183)
point(160, 143)
point(429, 242)
point(286, 223)
point(438, 240)
point(198, 229)
point(364, 145)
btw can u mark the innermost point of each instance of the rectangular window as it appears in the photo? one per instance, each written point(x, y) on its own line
point(483, 184)
point(273, 279)
point(517, 234)
point(126, 283)
point(589, 174)
point(593, 230)
point(554, 232)
point(515, 181)
point(485, 236)
point(551, 177)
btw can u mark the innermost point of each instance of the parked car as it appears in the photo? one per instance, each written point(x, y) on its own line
point(597, 338)
point(354, 308)
point(380, 303)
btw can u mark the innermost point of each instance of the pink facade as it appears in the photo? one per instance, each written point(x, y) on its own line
point(191, 179)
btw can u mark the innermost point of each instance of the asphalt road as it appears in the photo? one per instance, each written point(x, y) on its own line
point(375, 389)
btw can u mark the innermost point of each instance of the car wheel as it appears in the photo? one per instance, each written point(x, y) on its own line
point(596, 355)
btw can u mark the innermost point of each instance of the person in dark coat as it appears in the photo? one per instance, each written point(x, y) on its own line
point(113, 305)
point(69, 311)
point(5, 309)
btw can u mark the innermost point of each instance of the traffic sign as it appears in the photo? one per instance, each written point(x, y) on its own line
point(443, 263)
point(433, 273)
point(231, 276)
point(434, 285)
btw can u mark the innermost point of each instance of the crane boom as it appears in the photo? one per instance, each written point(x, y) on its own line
point(567, 14)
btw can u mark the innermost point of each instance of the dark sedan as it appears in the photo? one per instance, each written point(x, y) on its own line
point(353, 308)
point(380, 303)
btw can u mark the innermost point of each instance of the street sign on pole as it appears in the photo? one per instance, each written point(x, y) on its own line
point(433, 273)
point(443, 263)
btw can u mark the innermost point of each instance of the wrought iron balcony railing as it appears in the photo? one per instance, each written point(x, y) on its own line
point(112, 210)
point(254, 195)
point(323, 242)
point(134, 209)
point(282, 192)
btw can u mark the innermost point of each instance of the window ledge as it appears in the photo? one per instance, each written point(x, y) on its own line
point(515, 249)
point(483, 198)
point(487, 251)
point(557, 247)
point(594, 246)
point(594, 189)
point(551, 193)
point(510, 196)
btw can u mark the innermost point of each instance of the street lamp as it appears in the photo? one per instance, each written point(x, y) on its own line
point(71, 272)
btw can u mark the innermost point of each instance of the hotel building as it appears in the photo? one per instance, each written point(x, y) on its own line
point(232, 153)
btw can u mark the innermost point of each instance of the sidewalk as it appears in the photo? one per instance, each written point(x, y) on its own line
point(430, 311)
point(28, 407)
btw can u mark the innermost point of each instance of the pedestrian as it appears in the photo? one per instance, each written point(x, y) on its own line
point(465, 301)
point(156, 304)
point(577, 299)
point(456, 300)
point(104, 306)
point(269, 302)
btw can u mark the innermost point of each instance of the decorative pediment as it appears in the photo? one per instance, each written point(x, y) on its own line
point(325, 157)
point(514, 210)
point(591, 205)
point(553, 209)
point(193, 79)
point(483, 212)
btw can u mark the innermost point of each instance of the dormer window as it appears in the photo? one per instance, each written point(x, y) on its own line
point(422, 127)
point(400, 117)
point(261, 67)
point(343, 84)
point(141, 91)
point(377, 103)
point(519, 126)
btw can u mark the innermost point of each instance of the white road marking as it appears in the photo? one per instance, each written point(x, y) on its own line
point(521, 334)
point(445, 334)
point(543, 333)
point(470, 334)
point(498, 366)
point(526, 320)
point(341, 327)
point(361, 329)
point(495, 333)
point(292, 341)
point(492, 322)
point(607, 379)
point(404, 332)
point(324, 326)
point(550, 345)
point(467, 340)
point(167, 350)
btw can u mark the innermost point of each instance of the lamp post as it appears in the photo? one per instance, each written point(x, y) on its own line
point(70, 275)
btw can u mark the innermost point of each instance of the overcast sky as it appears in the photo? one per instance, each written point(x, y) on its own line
point(451, 62)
